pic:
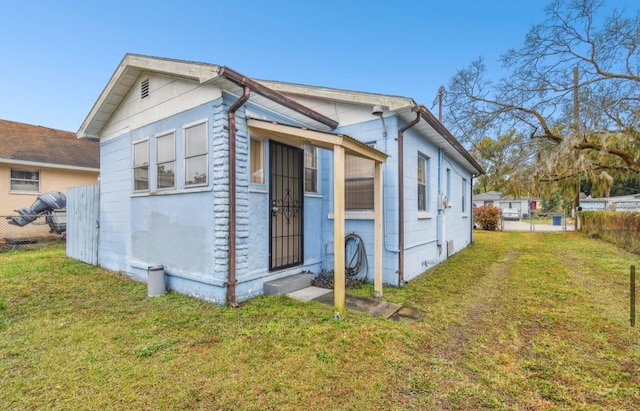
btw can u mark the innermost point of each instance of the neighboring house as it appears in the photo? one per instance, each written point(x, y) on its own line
point(494, 198)
point(620, 203)
point(229, 182)
point(35, 160)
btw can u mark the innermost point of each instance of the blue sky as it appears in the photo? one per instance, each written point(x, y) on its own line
point(57, 56)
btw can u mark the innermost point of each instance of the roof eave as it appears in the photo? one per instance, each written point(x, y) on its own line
point(446, 134)
point(275, 96)
point(133, 65)
point(327, 93)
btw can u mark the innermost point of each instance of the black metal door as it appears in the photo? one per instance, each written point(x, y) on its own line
point(286, 195)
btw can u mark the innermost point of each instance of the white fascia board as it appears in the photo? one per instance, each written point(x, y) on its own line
point(132, 66)
point(180, 68)
point(47, 165)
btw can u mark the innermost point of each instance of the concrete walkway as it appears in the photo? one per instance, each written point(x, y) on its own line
point(373, 307)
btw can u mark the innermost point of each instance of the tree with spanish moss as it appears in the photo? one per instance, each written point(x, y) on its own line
point(573, 89)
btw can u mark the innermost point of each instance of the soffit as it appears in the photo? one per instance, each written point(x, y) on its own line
point(426, 128)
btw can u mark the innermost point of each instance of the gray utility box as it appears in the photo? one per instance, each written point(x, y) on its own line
point(155, 281)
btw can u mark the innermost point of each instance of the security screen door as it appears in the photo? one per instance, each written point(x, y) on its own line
point(286, 195)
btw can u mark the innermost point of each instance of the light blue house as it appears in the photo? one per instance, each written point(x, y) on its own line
point(230, 182)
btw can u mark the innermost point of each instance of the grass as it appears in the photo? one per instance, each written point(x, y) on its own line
point(515, 321)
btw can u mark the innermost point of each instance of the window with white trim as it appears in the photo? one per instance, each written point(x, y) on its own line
point(358, 183)
point(25, 181)
point(256, 148)
point(448, 184)
point(310, 169)
point(196, 153)
point(166, 161)
point(464, 193)
point(141, 165)
point(423, 179)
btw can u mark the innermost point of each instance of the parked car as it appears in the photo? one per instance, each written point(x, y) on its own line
point(510, 214)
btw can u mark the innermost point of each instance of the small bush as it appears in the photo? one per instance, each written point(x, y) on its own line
point(621, 228)
point(487, 217)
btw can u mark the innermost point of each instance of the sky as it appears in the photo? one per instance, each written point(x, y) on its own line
point(56, 57)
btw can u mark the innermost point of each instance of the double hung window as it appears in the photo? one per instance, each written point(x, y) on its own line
point(195, 155)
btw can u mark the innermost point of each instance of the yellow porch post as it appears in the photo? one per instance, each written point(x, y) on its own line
point(338, 232)
point(377, 223)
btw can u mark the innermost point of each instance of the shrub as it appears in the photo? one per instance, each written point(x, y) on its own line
point(487, 217)
point(621, 228)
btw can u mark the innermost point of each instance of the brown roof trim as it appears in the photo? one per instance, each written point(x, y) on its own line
point(442, 130)
point(264, 91)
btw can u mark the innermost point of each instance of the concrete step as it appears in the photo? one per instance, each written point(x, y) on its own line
point(308, 294)
point(286, 285)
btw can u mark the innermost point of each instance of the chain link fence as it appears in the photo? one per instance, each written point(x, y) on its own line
point(44, 229)
point(537, 221)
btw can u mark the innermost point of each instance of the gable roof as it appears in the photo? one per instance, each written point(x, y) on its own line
point(28, 144)
point(271, 95)
point(133, 65)
point(404, 107)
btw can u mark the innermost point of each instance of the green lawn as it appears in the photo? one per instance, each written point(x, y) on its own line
point(515, 321)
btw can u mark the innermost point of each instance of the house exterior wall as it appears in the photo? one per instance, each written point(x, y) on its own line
point(167, 96)
point(187, 229)
point(361, 223)
point(51, 179)
point(175, 227)
point(426, 233)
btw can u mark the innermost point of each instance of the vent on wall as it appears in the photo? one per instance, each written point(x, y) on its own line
point(450, 249)
point(144, 88)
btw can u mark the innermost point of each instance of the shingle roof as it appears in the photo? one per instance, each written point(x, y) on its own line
point(26, 142)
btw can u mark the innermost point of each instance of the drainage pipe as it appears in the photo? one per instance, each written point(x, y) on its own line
point(231, 283)
point(471, 217)
point(401, 194)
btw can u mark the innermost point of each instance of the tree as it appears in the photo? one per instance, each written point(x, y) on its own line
point(573, 88)
point(507, 161)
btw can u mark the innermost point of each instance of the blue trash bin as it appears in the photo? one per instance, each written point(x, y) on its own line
point(557, 220)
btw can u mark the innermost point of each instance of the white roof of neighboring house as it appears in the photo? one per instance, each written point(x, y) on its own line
point(634, 197)
point(496, 196)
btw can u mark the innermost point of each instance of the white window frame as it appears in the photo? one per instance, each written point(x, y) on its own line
point(464, 195)
point(189, 156)
point(159, 136)
point(448, 183)
point(135, 165)
point(15, 179)
point(425, 175)
point(312, 152)
point(257, 163)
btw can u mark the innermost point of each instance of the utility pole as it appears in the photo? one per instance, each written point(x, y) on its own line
point(440, 96)
point(576, 127)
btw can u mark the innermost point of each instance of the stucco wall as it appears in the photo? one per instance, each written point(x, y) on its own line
point(51, 179)
point(169, 227)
